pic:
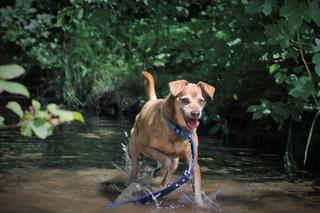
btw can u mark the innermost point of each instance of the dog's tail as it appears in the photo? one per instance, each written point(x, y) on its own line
point(149, 85)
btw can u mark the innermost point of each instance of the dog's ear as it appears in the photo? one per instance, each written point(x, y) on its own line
point(208, 89)
point(176, 87)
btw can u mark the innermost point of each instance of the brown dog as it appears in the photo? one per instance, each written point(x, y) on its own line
point(152, 136)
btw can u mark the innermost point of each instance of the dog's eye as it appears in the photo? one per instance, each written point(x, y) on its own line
point(202, 101)
point(185, 100)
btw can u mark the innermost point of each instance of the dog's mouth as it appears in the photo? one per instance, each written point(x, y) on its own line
point(192, 123)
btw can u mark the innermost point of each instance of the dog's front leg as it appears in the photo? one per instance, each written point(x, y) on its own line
point(197, 184)
point(196, 173)
point(196, 181)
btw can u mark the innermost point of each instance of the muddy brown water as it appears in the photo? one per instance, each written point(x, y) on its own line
point(70, 172)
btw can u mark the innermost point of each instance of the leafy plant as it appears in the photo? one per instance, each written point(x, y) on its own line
point(8, 72)
point(295, 33)
point(34, 120)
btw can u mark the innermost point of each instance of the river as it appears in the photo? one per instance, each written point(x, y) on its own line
point(71, 171)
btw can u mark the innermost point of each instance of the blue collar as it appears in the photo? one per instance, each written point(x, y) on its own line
point(179, 131)
point(184, 134)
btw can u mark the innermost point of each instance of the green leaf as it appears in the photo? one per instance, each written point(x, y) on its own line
point(64, 115)
point(274, 68)
point(305, 11)
point(80, 14)
point(315, 12)
point(280, 77)
point(221, 35)
point(41, 128)
point(14, 88)
point(296, 92)
point(36, 106)
point(26, 129)
point(44, 115)
point(277, 118)
point(257, 115)
point(267, 8)
point(252, 108)
point(303, 88)
point(52, 107)
point(27, 116)
point(15, 107)
point(265, 103)
point(292, 12)
point(78, 116)
point(11, 71)
point(317, 69)
point(234, 42)
point(316, 58)
point(280, 109)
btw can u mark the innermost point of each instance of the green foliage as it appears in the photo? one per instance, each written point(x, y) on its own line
point(10, 72)
point(16, 108)
point(37, 121)
point(296, 34)
point(91, 47)
point(64, 115)
point(279, 111)
point(316, 61)
point(42, 122)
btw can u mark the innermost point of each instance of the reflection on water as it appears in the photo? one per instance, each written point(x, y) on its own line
point(95, 144)
point(66, 174)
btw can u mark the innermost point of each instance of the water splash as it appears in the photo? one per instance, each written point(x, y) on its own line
point(154, 198)
point(142, 187)
point(145, 171)
point(126, 167)
point(210, 202)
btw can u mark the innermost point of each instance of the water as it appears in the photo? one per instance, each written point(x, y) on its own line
point(71, 172)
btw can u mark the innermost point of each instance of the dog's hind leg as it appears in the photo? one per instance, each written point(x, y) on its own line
point(133, 154)
point(164, 161)
point(174, 165)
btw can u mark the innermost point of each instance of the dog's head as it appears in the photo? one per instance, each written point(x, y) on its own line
point(190, 99)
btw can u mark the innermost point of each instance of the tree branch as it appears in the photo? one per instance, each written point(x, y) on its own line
point(300, 49)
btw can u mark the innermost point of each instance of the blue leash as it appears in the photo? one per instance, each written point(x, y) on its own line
point(175, 184)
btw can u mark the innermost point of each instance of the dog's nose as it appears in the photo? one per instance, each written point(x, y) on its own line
point(195, 114)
